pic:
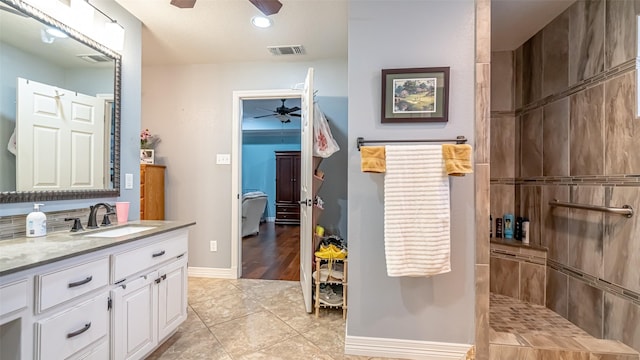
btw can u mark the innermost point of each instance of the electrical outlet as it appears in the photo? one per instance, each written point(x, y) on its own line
point(213, 245)
point(223, 159)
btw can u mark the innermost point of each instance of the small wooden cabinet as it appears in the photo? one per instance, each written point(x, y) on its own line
point(152, 192)
point(287, 187)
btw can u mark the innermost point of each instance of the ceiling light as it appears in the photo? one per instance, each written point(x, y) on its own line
point(261, 22)
point(57, 33)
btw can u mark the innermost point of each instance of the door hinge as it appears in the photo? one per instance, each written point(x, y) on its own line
point(108, 304)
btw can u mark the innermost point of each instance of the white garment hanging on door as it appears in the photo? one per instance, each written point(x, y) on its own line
point(324, 145)
point(11, 146)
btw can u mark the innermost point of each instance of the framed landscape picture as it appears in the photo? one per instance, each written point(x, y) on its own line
point(415, 95)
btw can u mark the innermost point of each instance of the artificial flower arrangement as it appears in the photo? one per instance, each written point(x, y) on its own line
point(148, 141)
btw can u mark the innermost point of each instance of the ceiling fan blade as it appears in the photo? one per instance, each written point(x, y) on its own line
point(295, 108)
point(261, 116)
point(298, 115)
point(267, 7)
point(183, 4)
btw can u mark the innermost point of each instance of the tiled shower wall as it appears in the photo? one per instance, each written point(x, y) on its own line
point(563, 127)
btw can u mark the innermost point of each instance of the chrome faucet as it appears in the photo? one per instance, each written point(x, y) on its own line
point(92, 223)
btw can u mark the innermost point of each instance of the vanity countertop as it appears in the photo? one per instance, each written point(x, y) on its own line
point(25, 253)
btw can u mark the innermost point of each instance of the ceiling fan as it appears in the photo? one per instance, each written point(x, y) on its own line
point(267, 7)
point(282, 112)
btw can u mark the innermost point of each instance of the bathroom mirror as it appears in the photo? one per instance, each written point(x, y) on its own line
point(67, 69)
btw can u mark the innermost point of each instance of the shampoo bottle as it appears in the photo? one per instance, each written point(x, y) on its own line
point(525, 231)
point(36, 222)
point(508, 226)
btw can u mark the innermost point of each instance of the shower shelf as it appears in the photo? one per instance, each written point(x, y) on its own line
point(625, 210)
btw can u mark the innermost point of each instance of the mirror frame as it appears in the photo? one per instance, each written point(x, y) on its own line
point(50, 195)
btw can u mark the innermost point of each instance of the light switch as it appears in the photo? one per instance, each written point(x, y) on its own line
point(223, 159)
point(128, 181)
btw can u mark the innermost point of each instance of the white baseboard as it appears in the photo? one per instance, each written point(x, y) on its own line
point(405, 349)
point(217, 273)
point(271, 219)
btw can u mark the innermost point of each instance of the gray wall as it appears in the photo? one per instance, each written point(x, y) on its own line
point(190, 108)
point(406, 34)
point(130, 119)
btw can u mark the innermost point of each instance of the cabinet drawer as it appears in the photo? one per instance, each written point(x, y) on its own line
point(136, 260)
point(95, 352)
point(70, 331)
point(14, 297)
point(288, 210)
point(63, 285)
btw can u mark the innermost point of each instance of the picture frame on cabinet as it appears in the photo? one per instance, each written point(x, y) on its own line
point(415, 95)
point(147, 156)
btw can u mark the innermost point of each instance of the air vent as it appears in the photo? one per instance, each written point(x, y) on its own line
point(94, 58)
point(286, 50)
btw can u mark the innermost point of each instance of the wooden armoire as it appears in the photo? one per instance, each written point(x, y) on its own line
point(287, 187)
point(151, 192)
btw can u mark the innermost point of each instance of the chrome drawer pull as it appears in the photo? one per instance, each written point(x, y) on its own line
point(78, 332)
point(81, 282)
point(158, 254)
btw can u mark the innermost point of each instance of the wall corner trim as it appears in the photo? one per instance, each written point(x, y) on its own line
point(406, 349)
point(217, 273)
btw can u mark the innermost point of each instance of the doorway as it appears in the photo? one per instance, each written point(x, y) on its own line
point(306, 202)
point(270, 189)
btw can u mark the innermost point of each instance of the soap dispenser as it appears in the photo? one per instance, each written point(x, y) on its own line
point(36, 222)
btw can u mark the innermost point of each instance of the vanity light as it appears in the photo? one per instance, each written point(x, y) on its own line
point(261, 22)
point(56, 33)
point(115, 34)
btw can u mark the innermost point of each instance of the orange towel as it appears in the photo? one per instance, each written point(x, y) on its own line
point(373, 159)
point(457, 159)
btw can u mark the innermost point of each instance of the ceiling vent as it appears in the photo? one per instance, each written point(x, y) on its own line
point(95, 58)
point(286, 50)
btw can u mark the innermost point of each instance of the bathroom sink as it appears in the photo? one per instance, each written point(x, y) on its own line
point(121, 231)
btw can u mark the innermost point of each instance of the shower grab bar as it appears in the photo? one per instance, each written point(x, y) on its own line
point(625, 210)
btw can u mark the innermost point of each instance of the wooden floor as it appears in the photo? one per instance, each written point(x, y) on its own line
point(274, 254)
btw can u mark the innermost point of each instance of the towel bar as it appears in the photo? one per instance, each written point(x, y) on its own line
point(625, 210)
point(457, 140)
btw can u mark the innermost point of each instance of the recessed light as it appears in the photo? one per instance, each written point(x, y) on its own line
point(57, 33)
point(261, 22)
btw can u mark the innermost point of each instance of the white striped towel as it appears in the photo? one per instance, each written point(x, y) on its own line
point(416, 211)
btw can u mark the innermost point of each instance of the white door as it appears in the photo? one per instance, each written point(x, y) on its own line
point(172, 297)
point(306, 179)
point(134, 325)
point(61, 138)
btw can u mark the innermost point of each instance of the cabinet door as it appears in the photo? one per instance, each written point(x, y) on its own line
point(172, 297)
point(284, 178)
point(295, 184)
point(134, 322)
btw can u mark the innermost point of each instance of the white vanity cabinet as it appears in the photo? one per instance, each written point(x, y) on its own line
point(119, 301)
point(149, 304)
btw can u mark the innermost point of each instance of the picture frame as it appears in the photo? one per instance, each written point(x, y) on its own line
point(415, 95)
point(147, 156)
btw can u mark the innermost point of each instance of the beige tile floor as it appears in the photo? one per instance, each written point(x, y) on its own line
point(254, 319)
